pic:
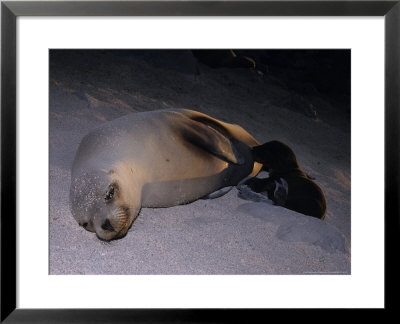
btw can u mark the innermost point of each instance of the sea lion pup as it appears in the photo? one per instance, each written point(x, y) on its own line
point(287, 185)
point(158, 158)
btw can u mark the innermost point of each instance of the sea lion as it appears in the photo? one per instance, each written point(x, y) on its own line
point(159, 158)
point(288, 185)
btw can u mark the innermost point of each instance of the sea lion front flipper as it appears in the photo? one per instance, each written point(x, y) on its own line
point(281, 192)
point(212, 140)
point(218, 193)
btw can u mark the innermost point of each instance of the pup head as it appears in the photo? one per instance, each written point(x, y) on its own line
point(275, 155)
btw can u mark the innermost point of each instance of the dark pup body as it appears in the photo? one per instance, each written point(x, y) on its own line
point(287, 185)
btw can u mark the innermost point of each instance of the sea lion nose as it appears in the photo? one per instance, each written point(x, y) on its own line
point(83, 224)
point(107, 226)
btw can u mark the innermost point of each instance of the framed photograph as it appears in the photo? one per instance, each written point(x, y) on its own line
point(196, 160)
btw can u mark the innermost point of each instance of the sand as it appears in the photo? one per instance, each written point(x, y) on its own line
point(226, 235)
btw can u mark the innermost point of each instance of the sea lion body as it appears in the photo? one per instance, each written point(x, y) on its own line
point(288, 185)
point(154, 159)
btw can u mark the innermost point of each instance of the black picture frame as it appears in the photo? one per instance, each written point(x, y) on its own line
point(10, 10)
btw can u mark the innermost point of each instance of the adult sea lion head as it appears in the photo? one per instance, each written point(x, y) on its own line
point(99, 204)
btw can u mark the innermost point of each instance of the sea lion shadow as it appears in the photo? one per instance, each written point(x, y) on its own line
point(294, 227)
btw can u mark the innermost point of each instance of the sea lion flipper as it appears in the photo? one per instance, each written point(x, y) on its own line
point(281, 192)
point(218, 193)
point(211, 140)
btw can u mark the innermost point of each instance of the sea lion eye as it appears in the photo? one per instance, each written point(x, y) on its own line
point(109, 194)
